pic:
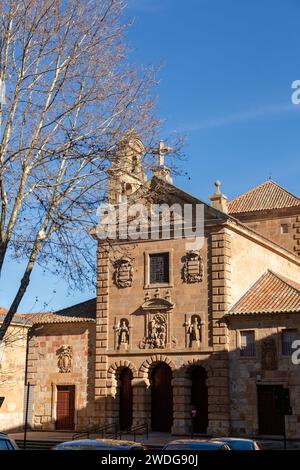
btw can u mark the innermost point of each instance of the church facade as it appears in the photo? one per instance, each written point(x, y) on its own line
point(186, 339)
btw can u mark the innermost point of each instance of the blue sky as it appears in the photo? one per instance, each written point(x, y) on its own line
point(225, 84)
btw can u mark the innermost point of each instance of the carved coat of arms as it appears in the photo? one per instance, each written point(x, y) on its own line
point(123, 274)
point(268, 355)
point(65, 355)
point(192, 270)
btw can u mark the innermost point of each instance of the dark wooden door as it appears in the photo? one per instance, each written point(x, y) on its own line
point(125, 415)
point(161, 398)
point(269, 421)
point(199, 400)
point(65, 407)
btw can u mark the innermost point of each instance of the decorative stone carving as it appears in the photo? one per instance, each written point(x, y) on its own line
point(123, 274)
point(268, 355)
point(122, 331)
point(65, 355)
point(156, 333)
point(194, 333)
point(193, 268)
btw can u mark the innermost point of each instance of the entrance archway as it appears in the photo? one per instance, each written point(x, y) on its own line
point(125, 399)
point(161, 398)
point(199, 399)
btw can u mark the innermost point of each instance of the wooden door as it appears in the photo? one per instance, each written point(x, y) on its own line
point(199, 400)
point(125, 412)
point(269, 421)
point(161, 398)
point(65, 407)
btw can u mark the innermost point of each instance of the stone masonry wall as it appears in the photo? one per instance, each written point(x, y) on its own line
point(45, 376)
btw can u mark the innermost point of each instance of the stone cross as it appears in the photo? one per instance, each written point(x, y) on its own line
point(160, 152)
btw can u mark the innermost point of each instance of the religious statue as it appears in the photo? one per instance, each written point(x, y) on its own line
point(157, 333)
point(122, 332)
point(64, 362)
point(192, 270)
point(194, 331)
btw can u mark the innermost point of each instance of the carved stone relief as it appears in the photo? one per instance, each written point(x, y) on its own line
point(123, 274)
point(193, 268)
point(156, 332)
point(65, 355)
point(122, 334)
point(194, 330)
point(268, 355)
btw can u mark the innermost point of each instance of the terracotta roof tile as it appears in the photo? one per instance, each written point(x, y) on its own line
point(18, 317)
point(267, 196)
point(272, 293)
point(79, 313)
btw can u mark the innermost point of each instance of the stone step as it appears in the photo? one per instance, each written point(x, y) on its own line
point(37, 444)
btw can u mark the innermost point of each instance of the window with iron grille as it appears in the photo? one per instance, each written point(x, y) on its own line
point(247, 343)
point(287, 338)
point(159, 268)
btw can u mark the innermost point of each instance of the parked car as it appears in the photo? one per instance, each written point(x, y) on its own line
point(237, 443)
point(6, 443)
point(99, 444)
point(196, 445)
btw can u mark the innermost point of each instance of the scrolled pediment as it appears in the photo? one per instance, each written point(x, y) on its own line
point(157, 304)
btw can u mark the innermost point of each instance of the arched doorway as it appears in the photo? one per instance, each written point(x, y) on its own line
point(199, 399)
point(125, 396)
point(161, 398)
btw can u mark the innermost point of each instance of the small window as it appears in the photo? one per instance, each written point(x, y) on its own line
point(284, 228)
point(247, 344)
point(159, 268)
point(287, 338)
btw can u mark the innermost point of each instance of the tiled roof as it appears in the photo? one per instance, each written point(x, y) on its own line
point(79, 313)
point(267, 196)
point(18, 317)
point(272, 293)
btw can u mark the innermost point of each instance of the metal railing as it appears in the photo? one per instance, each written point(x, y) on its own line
point(134, 430)
point(111, 429)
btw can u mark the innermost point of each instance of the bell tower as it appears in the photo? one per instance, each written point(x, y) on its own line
point(126, 173)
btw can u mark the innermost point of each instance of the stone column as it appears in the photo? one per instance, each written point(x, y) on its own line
point(218, 382)
point(141, 401)
point(182, 422)
point(102, 310)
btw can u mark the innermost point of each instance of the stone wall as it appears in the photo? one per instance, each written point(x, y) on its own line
point(45, 375)
point(12, 378)
point(250, 259)
point(247, 373)
point(269, 224)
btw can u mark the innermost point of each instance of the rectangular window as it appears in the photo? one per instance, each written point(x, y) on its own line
point(284, 228)
point(287, 338)
point(247, 344)
point(159, 268)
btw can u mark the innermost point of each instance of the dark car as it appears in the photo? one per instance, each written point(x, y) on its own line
point(99, 444)
point(6, 443)
point(196, 445)
point(237, 443)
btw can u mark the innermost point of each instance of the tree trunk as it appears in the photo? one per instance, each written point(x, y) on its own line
point(15, 304)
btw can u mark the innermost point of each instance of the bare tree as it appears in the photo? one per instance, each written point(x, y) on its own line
point(70, 97)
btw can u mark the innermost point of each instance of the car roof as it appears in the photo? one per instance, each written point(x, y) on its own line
point(241, 439)
point(100, 443)
point(196, 442)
